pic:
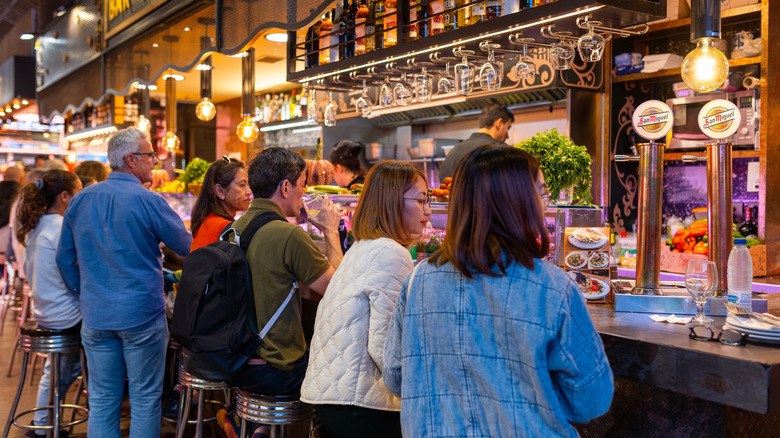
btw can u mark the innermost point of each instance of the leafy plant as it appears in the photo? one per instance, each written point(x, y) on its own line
point(195, 171)
point(563, 163)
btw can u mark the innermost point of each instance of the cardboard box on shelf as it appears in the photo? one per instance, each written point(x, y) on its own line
point(675, 9)
point(677, 261)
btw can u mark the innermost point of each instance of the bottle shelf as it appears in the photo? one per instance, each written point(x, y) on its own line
point(676, 71)
point(728, 13)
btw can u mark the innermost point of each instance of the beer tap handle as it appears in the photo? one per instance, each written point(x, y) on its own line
point(693, 158)
point(626, 157)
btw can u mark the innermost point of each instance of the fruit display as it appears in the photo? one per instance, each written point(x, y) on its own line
point(693, 240)
point(159, 178)
point(175, 186)
point(331, 190)
point(443, 192)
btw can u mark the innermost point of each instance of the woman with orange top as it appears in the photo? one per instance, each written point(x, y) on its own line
point(225, 191)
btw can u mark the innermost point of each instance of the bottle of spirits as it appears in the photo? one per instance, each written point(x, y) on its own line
point(375, 25)
point(748, 228)
point(437, 22)
point(351, 14)
point(413, 26)
point(463, 15)
point(477, 12)
point(360, 29)
point(424, 26)
point(390, 22)
point(449, 17)
point(492, 9)
point(325, 29)
point(312, 45)
point(342, 26)
point(335, 40)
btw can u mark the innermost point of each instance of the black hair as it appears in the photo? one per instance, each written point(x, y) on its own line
point(495, 112)
point(8, 191)
point(351, 155)
point(222, 172)
point(272, 166)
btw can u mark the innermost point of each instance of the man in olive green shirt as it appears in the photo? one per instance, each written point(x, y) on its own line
point(280, 254)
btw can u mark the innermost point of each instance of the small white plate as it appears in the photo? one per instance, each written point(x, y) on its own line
point(752, 325)
point(590, 294)
point(595, 255)
point(583, 258)
point(753, 336)
point(590, 245)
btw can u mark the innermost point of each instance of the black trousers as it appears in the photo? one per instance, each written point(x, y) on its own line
point(344, 421)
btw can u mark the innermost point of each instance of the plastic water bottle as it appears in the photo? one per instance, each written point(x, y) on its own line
point(740, 270)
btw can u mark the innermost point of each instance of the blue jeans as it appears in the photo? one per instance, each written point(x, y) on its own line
point(70, 369)
point(268, 380)
point(139, 354)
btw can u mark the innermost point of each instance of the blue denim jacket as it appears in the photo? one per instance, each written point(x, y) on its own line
point(516, 355)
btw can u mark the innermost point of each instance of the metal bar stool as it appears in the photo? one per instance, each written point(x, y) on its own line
point(10, 296)
point(190, 383)
point(35, 339)
point(275, 411)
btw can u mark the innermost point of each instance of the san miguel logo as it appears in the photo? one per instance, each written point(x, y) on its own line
point(652, 120)
point(719, 119)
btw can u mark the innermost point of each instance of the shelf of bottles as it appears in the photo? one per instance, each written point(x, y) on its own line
point(117, 110)
point(354, 32)
point(280, 107)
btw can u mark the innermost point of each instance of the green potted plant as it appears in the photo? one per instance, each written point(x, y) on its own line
point(565, 165)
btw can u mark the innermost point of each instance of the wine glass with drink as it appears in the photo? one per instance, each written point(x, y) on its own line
point(701, 278)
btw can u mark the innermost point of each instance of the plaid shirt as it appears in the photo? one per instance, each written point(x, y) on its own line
point(515, 355)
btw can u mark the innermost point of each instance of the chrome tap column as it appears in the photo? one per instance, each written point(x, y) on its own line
point(651, 176)
point(719, 214)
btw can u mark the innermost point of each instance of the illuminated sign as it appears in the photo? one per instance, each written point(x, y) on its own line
point(652, 120)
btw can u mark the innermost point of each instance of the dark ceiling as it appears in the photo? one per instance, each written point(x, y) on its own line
point(11, 11)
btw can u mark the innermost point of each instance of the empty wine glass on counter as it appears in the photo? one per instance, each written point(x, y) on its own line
point(701, 278)
point(363, 105)
point(402, 92)
point(562, 55)
point(423, 85)
point(386, 94)
point(446, 83)
point(312, 113)
point(330, 111)
point(525, 68)
point(464, 74)
point(591, 45)
point(492, 72)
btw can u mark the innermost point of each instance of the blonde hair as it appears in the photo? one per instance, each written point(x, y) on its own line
point(379, 212)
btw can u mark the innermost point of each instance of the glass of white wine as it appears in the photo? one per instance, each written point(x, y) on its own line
point(313, 202)
point(701, 278)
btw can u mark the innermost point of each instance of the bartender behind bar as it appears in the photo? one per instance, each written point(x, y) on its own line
point(494, 124)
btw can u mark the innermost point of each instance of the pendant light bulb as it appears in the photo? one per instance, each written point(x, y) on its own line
point(205, 110)
point(706, 68)
point(143, 124)
point(247, 131)
point(171, 141)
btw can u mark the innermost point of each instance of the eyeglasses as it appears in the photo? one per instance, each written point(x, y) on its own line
point(545, 195)
point(226, 159)
point(728, 337)
point(423, 202)
point(151, 155)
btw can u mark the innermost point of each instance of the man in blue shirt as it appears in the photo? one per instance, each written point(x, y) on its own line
point(109, 255)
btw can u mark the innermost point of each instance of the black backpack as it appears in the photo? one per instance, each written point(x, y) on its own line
point(214, 313)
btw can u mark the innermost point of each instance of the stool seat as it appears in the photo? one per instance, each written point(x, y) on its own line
point(32, 328)
point(272, 409)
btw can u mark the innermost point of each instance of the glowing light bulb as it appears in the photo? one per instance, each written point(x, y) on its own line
point(247, 131)
point(706, 68)
point(171, 141)
point(205, 110)
point(143, 124)
point(72, 157)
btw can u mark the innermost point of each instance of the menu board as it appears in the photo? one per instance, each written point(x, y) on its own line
point(586, 259)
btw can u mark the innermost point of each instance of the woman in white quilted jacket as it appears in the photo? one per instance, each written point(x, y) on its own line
point(344, 377)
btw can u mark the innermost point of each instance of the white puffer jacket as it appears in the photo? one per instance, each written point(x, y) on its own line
point(345, 358)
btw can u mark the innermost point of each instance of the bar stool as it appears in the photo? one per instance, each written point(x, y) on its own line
point(275, 411)
point(35, 339)
point(190, 383)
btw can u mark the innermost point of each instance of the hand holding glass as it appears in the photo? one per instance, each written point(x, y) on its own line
point(701, 278)
point(313, 202)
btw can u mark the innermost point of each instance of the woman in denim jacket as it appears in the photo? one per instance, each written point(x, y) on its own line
point(486, 338)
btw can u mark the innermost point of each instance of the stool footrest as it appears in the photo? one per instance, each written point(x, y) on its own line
point(50, 426)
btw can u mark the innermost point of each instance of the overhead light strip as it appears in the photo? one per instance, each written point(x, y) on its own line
point(456, 43)
point(91, 133)
point(377, 112)
point(284, 126)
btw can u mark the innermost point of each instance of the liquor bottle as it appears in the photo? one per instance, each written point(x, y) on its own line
point(510, 6)
point(463, 15)
point(293, 105)
point(492, 9)
point(351, 14)
point(449, 17)
point(437, 22)
point(335, 40)
point(360, 28)
point(390, 23)
point(477, 11)
point(312, 45)
point(424, 26)
point(375, 25)
point(413, 26)
point(325, 28)
point(748, 228)
point(526, 4)
point(342, 29)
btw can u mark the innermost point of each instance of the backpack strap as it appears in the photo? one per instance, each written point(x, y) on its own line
point(278, 312)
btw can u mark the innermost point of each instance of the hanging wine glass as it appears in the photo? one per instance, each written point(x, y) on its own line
point(386, 94)
point(591, 45)
point(330, 111)
point(492, 72)
point(312, 113)
point(423, 85)
point(363, 105)
point(525, 69)
point(562, 55)
point(446, 83)
point(402, 92)
point(464, 74)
